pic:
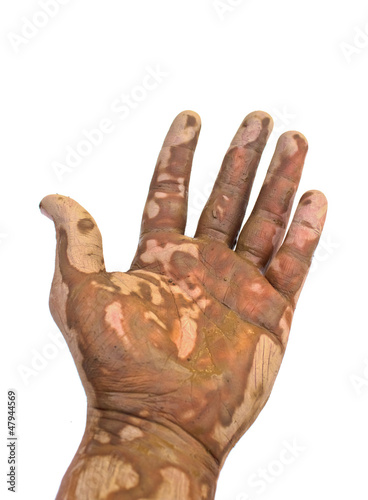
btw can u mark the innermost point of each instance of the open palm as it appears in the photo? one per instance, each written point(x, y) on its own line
point(194, 333)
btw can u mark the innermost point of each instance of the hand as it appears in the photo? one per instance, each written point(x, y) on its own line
point(188, 342)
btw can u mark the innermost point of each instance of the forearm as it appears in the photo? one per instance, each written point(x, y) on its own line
point(125, 457)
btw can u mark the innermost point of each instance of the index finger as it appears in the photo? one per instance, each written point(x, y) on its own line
point(166, 205)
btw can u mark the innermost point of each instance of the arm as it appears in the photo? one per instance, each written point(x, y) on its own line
point(179, 354)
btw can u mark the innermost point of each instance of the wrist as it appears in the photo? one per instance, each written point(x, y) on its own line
point(130, 457)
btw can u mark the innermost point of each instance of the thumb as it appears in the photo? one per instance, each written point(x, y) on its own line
point(79, 242)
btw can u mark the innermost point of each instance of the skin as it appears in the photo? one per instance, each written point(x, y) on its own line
point(179, 355)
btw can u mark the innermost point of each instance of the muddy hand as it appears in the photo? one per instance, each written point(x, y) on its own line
point(179, 355)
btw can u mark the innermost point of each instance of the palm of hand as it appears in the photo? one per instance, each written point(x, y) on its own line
point(194, 333)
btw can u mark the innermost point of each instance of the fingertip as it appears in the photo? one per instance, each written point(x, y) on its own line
point(254, 130)
point(295, 135)
point(263, 117)
point(312, 208)
point(293, 141)
point(43, 211)
point(60, 209)
point(47, 205)
point(184, 130)
point(79, 239)
point(192, 117)
point(317, 196)
point(188, 118)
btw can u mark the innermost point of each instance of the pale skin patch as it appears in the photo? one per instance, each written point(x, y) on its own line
point(194, 293)
point(165, 156)
point(284, 325)
point(154, 252)
point(130, 283)
point(218, 213)
point(204, 491)
point(179, 182)
point(181, 186)
point(175, 484)
point(151, 249)
point(257, 288)
point(316, 218)
point(152, 316)
point(102, 437)
point(300, 236)
point(276, 266)
point(165, 177)
point(249, 133)
point(185, 343)
point(152, 209)
point(81, 250)
point(113, 475)
point(178, 135)
point(266, 363)
point(144, 413)
point(189, 415)
point(162, 195)
point(114, 317)
point(297, 293)
point(129, 433)
point(288, 146)
point(59, 294)
point(203, 303)
point(220, 207)
point(103, 287)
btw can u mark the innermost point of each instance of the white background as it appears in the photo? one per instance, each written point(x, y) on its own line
point(303, 62)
